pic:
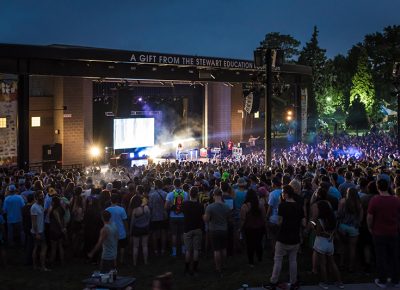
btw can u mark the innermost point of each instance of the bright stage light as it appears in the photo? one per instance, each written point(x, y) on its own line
point(289, 118)
point(94, 151)
point(290, 113)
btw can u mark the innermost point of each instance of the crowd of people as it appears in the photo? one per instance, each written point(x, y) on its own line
point(339, 197)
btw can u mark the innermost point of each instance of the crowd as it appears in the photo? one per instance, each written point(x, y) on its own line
point(340, 197)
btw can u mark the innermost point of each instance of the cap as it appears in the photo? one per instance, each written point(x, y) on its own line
point(217, 175)
point(241, 182)
point(12, 188)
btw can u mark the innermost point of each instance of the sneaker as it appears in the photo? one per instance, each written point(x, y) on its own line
point(270, 286)
point(295, 286)
point(379, 284)
point(323, 285)
point(340, 285)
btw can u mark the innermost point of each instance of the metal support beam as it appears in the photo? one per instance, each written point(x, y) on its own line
point(23, 121)
point(268, 104)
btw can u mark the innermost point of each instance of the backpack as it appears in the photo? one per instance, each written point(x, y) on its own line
point(178, 201)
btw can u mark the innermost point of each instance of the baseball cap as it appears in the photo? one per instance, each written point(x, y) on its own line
point(217, 175)
point(12, 187)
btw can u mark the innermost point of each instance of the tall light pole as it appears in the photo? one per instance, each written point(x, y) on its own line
point(268, 105)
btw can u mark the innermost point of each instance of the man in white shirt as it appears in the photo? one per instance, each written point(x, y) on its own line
point(119, 218)
point(37, 216)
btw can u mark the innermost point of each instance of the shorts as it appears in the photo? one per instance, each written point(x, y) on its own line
point(159, 225)
point(41, 241)
point(192, 239)
point(176, 225)
point(219, 240)
point(272, 231)
point(140, 232)
point(323, 246)
point(122, 243)
point(348, 230)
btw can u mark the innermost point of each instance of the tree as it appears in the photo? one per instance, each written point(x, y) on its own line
point(357, 115)
point(314, 56)
point(363, 85)
point(285, 42)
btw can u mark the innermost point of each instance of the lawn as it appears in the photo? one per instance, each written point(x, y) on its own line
point(237, 272)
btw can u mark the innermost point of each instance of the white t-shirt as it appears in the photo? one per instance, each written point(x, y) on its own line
point(38, 211)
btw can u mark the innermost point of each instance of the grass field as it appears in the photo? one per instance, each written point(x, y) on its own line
point(15, 276)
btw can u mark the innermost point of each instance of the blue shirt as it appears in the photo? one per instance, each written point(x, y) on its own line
point(26, 193)
point(333, 191)
point(239, 200)
point(118, 216)
point(170, 199)
point(274, 201)
point(12, 206)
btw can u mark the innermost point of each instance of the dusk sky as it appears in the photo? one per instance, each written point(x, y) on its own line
point(222, 28)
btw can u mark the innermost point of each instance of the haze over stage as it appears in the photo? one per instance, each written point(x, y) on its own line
point(133, 133)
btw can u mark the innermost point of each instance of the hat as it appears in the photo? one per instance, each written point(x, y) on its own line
point(12, 188)
point(383, 176)
point(21, 181)
point(225, 176)
point(217, 175)
point(241, 182)
point(109, 186)
point(51, 191)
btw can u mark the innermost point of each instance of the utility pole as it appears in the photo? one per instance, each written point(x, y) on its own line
point(268, 105)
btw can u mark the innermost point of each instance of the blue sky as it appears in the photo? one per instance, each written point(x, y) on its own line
point(222, 28)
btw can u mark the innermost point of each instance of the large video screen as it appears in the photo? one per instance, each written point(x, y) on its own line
point(133, 133)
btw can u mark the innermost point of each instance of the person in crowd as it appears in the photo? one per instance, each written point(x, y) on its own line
point(120, 219)
point(77, 216)
point(159, 217)
point(57, 230)
point(108, 241)
point(12, 207)
point(174, 204)
point(253, 225)
point(324, 223)
point(383, 223)
point(38, 216)
point(139, 228)
point(92, 224)
point(193, 212)
point(348, 183)
point(350, 215)
point(217, 216)
point(3, 257)
point(291, 219)
point(27, 226)
point(272, 212)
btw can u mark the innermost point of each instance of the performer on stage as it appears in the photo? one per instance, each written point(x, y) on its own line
point(179, 152)
point(252, 141)
point(230, 147)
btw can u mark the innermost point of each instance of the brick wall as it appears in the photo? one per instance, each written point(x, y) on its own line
point(49, 95)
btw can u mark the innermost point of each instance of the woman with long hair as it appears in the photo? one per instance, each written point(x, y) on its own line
point(139, 229)
point(324, 223)
point(350, 215)
point(253, 224)
point(77, 215)
point(57, 229)
point(92, 224)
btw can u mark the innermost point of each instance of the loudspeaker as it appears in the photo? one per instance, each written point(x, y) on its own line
point(122, 103)
point(52, 152)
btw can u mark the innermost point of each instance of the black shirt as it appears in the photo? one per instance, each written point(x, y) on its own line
point(292, 213)
point(193, 215)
